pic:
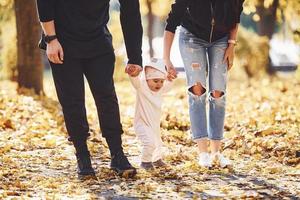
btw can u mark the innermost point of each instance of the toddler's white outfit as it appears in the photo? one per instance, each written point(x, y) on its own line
point(148, 112)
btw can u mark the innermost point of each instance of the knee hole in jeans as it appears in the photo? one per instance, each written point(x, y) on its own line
point(197, 89)
point(217, 94)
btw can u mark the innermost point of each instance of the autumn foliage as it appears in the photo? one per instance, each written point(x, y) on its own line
point(261, 137)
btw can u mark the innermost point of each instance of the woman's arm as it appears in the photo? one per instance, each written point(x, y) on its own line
point(168, 41)
point(233, 34)
point(229, 53)
point(240, 10)
point(178, 10)
point(176, 14)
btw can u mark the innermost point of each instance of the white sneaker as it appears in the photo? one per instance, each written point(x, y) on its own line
point(204, 160)
point(223, 161)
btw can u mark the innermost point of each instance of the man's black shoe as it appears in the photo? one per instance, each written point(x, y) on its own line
point(120, 164)
point(84, 165)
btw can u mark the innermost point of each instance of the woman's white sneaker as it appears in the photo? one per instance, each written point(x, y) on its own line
point(205, 160)
point(221, 159)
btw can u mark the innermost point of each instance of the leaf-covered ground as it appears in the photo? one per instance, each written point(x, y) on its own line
point(262, 139)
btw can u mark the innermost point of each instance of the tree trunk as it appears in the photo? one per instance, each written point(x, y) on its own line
point(150, 27)
point(267, 23)
point(29, 62)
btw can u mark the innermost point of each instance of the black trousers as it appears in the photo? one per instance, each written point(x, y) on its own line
point(69, 83)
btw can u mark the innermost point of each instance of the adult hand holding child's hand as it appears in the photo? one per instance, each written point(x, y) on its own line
point(172, 73)
point(133, 70)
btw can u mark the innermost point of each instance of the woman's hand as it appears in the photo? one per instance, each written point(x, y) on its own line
point(229, 56)
point(168, 40)
point(172, 73)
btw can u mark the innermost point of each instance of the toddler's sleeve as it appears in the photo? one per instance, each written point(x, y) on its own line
point(135, 81)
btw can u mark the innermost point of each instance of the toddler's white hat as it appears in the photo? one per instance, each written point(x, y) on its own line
point(159, 69)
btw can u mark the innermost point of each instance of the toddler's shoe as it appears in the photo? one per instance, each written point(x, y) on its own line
point(147, 165)
point(205, 160)
point(159, 163)
point(223, 161)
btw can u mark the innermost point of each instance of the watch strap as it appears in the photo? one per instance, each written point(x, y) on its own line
point(49, 38)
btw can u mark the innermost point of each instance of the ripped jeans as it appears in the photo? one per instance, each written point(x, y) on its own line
point(203, 62)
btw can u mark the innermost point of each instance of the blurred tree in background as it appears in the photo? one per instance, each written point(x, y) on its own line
point(270, 13)
point(270, 17)
point(8, 49)
point(29, 60)
point(20, 32)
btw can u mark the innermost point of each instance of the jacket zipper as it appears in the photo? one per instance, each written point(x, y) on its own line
point(212, 22)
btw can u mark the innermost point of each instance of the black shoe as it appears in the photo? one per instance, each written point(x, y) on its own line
point(84, 165)
point(120, 164)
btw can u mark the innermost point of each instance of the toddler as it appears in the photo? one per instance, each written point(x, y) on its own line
point(150, 85)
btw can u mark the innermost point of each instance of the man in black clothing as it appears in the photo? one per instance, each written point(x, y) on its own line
point(78, 44)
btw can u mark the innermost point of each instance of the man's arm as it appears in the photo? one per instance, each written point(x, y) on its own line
point(46, 11)
point(132, 30)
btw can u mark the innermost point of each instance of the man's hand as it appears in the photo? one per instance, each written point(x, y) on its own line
point(133, 70)
point(172, 73)
point(55, 52)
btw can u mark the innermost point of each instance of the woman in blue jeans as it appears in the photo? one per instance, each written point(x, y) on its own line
point(206, 40)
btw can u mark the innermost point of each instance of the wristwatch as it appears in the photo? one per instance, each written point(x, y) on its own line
point(49, 38)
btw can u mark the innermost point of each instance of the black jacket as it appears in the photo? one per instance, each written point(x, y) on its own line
point(81, 26)
point(196, 16)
